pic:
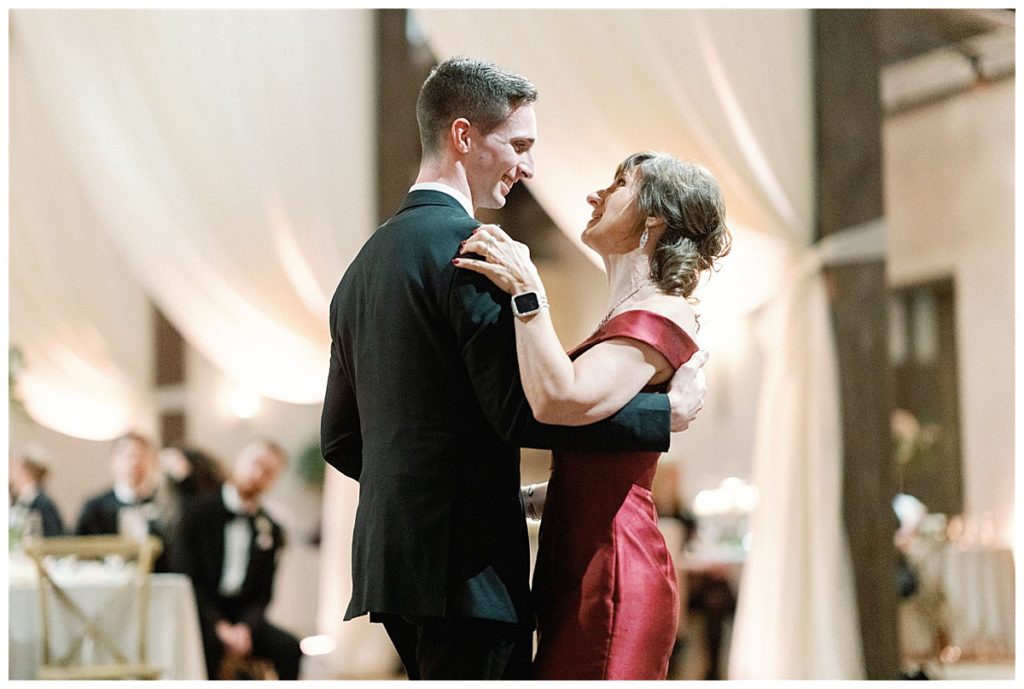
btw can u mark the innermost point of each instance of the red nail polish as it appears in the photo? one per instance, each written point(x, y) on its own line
point(455, 261)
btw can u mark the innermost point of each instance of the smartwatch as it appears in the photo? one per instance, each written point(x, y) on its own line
point(527, 304)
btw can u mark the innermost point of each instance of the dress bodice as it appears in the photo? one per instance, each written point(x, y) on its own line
point(653, 329)
point(625, 467)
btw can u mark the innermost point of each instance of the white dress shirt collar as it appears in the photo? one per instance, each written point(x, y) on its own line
point(124, 493)
point(445, 189)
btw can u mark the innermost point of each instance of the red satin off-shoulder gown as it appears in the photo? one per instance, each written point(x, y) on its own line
point(605, 585)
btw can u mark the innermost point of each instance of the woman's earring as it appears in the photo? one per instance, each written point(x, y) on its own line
point(644, 237)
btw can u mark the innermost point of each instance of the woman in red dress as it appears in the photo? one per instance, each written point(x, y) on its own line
point(604, 583)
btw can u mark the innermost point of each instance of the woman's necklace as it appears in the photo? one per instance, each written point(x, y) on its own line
point(608, 316)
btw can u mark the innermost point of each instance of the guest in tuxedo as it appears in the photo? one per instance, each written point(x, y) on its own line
point(424, 404)
point(28, 474)
point(132, 505)
point(229, 545)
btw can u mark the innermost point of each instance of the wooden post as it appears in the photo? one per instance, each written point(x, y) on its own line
point(169, 379)
point(849, 192)
point(401, 69)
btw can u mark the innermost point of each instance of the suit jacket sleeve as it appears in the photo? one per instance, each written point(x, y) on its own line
point(53, 525)
point(340, 441)
point(481, 315)
point(87, 524)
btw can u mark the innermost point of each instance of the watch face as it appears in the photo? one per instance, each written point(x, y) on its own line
point(527, 303)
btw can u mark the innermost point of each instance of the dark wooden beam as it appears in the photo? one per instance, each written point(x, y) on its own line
point(401, 68)
point(169, 356)
point(849, 192)
point(169, 352)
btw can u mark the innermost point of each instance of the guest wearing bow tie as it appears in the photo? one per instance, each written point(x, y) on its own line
point(131, 507)
point(229, 546)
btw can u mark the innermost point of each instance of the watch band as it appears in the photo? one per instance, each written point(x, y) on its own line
point(528, 303)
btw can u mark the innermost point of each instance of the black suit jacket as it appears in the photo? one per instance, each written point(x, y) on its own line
point(199, 553)
point(53, 525)
point(99, 515)
point(425, 408)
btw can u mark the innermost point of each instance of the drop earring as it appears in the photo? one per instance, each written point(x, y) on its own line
point(644, 237)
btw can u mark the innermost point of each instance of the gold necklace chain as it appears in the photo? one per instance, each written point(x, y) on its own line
point(608, 316)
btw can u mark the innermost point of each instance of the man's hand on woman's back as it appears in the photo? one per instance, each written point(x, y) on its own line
point(686, 391)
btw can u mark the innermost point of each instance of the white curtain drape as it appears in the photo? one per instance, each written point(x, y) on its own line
point(226, 157)
point(70, 290)
point(732, 90)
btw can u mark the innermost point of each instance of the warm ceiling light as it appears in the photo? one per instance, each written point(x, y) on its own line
point(244, 403)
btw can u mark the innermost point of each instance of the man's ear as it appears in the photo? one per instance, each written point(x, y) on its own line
point(459, 135)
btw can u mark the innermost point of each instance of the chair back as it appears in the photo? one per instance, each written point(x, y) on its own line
point(136, 558)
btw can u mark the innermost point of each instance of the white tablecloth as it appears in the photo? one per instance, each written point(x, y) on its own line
point(979, 589)
point(174, 641)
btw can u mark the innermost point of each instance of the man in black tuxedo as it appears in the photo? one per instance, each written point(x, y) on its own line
point(425, 408)
point(229, 546)
point(132, 506)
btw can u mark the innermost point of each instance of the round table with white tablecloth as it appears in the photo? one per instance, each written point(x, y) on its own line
point(979, 587)
point(173, 636)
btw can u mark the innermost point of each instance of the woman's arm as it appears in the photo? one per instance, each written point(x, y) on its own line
point(561, 391)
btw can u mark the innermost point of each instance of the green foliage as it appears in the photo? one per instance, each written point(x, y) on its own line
point(15, 365)
point(309, 465)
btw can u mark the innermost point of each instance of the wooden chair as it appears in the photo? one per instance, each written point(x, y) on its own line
point(245, 668)
point(69, 665)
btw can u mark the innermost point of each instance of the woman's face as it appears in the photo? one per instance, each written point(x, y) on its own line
point(613, 225)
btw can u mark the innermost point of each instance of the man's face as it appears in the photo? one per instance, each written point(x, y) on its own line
point(18, 476)
point(499, 159)
point(133, 464)
point(255, 470)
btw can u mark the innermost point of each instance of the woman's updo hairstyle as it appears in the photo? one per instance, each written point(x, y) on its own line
point(688, 199)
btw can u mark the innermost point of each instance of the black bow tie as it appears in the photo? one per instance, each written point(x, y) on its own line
point(138, 501)
point(244, 515)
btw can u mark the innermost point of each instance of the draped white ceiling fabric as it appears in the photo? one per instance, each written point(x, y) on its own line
point(225, 157)
point(731, 90)
point(68, 289)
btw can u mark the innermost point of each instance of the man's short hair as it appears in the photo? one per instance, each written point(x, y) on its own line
point(269, 445)
point(131, 437)
point(478, 90)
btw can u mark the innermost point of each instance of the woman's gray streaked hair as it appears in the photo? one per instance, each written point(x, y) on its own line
point(687, 197)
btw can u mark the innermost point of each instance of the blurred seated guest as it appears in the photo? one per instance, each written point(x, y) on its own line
point(705, 590)
point(188, 473)
point(229, 545)
point(27, 475)
point(130, 507)
point(711, 595)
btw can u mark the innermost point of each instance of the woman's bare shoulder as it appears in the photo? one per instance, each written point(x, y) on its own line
point(676, 309)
